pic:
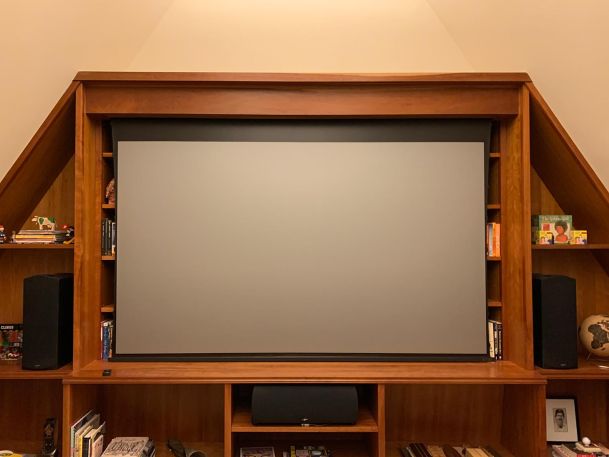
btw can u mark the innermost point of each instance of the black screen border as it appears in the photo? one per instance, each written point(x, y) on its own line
point(300, 130)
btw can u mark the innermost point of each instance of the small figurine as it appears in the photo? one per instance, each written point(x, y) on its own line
point(111, 192)
point(2, 235)
point(69, 229)
point(44, 221)
point(48, 438)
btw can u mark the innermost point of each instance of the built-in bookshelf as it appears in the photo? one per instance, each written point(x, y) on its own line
point(64, 172)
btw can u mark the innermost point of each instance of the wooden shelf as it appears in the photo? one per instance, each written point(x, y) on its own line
point(493, 259)
point(107, 155)
point(109, 206)
point(493, 206)
point(502, 372)
point(494, 303)
point(108, 258)
point(29, 247)
point(12, 370)
point(107, 309)
point(495, 155)
point(587, 369)
point(242, 423)
point(569, 247)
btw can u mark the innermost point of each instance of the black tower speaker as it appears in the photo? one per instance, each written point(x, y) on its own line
point(47, 321)
point(554, 321)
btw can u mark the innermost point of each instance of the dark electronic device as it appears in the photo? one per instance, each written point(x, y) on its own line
point(555, 321)
point(304, 404)
point(47, 321)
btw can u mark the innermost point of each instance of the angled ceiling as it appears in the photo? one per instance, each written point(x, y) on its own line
point(561, 44)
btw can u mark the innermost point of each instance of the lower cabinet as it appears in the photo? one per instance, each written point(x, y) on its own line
point(216, 418)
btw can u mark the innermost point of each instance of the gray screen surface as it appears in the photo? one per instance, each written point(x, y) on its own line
point(316, 247)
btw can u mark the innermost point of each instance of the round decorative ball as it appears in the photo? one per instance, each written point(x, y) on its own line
point(594, 334)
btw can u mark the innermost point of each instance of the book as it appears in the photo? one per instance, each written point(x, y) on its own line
point(569, 450)
point(11, 341)
point(406, 452)
point(493, 239)
point(77, 426)
point(107, 336)
point(90, 437)
point(266, 451)
point(495, 337)
point(579, 237)
point(82, 431)
point(559, 224)
point(435, 450)
point(130, 446)
point(309, 451)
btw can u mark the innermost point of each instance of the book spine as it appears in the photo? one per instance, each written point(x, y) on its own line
point(113, 239)
point(497, 239)
point(491, 341)
point(496, 339)
point(103, 237)
point(499, 340)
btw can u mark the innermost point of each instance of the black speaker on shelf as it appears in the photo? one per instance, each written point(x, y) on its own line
point(555, 321)
point(47, 321)
point(304, 404)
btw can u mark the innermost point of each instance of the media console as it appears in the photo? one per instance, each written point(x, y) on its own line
point(534, 167)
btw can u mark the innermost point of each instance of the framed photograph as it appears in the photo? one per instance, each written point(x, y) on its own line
point(561, 420)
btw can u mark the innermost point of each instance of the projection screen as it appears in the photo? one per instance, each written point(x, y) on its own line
point(292, 248)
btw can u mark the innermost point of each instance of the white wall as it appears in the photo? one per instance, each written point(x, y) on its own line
point(562, 44)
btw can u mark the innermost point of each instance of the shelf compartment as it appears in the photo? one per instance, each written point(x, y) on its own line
point(192, 413)
point(242, 423)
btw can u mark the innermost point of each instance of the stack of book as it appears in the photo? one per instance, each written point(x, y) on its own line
point(87, 436)
point(107, 334)
point(434, 450)
point(495, 339)
point(295, 451)
point(493, 239)
point(40, 236)
point(108, 237)
point(579, 450)
point(133, 446)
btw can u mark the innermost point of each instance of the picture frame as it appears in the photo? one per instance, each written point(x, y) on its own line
point(561, 420)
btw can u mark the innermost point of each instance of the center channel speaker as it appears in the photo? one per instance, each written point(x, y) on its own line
point(304, 404)
point(555, 321)
point(47, 321)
